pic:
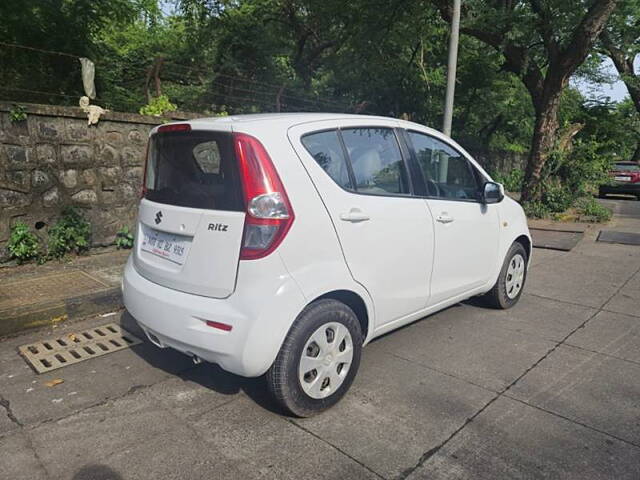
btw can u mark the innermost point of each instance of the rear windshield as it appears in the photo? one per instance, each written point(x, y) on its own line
point(193, 169)
point(627, 167)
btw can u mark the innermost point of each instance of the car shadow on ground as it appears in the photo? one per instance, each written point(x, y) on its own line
point(207, 375)
point(96, 472)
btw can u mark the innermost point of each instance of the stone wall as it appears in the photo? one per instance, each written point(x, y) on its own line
point(502, 162)
point(54, 159)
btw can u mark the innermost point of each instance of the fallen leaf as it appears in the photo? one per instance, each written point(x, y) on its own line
point(72, 337)
point(54, 382)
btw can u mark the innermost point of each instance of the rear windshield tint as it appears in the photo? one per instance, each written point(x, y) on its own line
point(193, 169)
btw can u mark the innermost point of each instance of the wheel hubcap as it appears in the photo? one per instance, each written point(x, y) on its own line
point(325, 360)
point(515, 276)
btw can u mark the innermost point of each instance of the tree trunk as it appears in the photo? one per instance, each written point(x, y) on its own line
point(636, 154)
point(279, 98)
point(156, 75)
point(544, 134)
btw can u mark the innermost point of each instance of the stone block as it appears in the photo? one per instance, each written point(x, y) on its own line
point(40, 180)
point(51, 198)
point(5, 228)
point(109, 156)
point(114, 137)
point(69, 178)
point(11, 198)
point(18, 179)
point(77, 130)
point(89, 177)
point(77, 155)
point(15, 132)
point(126, 193)
point(85, 197)
point(18, 156)
point(111, 176)
point(47, 128)
point(46, 154)
point(134, 175)
point(132, 156)
point(105, 224)
point(137, 137)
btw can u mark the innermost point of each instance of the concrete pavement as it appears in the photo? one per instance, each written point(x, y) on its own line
point(75, 287)
point(549, 389)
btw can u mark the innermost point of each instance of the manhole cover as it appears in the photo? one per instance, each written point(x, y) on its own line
point(72, 348)
point(555, 239)
point(626, 238)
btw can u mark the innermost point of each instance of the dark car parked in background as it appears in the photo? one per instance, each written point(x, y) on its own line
point(625, 178)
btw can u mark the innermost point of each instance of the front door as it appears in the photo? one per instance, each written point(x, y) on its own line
point(466, 230)
point(386, 234)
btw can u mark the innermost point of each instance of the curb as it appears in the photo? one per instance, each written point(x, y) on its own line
point(17, 320)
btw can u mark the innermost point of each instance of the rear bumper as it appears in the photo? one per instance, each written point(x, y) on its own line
point(260, 318)
point(621, 188)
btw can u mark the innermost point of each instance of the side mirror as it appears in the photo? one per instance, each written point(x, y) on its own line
point(492, 192)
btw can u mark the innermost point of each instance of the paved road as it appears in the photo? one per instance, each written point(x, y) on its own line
point(549, 389)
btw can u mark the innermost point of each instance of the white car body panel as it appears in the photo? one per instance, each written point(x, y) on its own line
point(398, 233)
point(402, 263)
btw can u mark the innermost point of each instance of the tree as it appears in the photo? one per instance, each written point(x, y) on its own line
point(543, 42)
point(68, 27)
point(621, 42)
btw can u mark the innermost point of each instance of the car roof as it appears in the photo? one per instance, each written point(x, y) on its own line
point(293, 118)
point(290, 119)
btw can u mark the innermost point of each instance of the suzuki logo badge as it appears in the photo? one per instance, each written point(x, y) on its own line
point(158, 217)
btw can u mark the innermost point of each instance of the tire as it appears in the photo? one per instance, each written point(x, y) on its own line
point(285, 377)
point(505, 293)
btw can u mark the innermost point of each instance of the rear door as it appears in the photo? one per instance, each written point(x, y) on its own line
point(466, 230)
point(386, 234)
point(191, 218)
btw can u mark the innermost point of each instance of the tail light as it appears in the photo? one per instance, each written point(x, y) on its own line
point(269, 213)
point(143, 190)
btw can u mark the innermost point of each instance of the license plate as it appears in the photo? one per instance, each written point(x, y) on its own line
point(166, 245)
point(622, 178)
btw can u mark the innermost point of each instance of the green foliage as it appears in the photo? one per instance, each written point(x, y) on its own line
point(23, 244)
point(512, 181)
point(158, 106)
point(17, 114)
point(556, 197)
point(536, 209)
point(590, 209)
point(124, 238)
point(71, 233)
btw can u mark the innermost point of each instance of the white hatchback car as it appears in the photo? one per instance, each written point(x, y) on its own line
point(283, 243)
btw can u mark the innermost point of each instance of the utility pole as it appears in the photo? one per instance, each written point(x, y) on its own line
point(451, 71)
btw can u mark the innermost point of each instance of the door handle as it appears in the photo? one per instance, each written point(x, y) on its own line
point(354, 215)
point(444, 218)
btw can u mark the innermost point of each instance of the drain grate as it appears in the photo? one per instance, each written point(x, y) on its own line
point(625, 238)
point(75, 347)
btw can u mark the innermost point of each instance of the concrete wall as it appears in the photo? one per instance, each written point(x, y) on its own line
point(54, 159)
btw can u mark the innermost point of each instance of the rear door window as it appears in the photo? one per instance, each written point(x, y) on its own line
point(194, 169)
point(376, 160)
point(326, 150)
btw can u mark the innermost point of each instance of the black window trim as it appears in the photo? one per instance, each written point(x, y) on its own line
point(419, 172)
point(404, 154)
